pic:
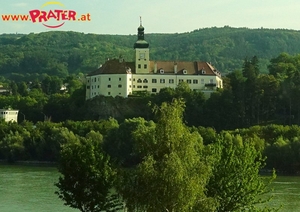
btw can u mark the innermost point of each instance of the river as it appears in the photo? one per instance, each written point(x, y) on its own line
point(31, 189)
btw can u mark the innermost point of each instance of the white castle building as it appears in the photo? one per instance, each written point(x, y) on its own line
point(119, 78)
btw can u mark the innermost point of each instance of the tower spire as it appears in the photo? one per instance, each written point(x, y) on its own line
point(141, 43)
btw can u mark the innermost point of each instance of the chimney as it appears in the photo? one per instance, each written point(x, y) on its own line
point(155, 67)
point(175, 67)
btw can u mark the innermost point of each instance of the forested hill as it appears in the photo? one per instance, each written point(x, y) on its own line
point(63, 53)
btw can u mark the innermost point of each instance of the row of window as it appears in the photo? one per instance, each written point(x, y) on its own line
point(139, 86)
point(119, 86)
point(11, 113)
point(109, 86)
point(172, 81)
point(109, 79)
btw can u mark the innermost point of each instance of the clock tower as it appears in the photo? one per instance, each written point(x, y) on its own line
point(141, 52)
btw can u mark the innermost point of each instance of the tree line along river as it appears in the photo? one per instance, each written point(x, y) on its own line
point(31, 189)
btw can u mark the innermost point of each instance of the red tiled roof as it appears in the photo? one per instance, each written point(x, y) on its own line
point(114, 66)
point(190, 67)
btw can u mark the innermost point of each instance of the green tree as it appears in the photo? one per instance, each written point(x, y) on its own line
point(13, 88)
point(119, 143)
point(22, 89)
point(57, 107)
point(236, 183)
point(11, 146)
point(87, 176)
point(251, 92)
point(174, 170)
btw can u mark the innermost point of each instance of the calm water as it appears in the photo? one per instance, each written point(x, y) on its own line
point(286, 193)
point(27, 188)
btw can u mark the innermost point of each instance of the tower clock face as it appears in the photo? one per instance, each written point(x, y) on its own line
point(142, 55)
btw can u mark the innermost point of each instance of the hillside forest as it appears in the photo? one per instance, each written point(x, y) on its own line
point(27, 57)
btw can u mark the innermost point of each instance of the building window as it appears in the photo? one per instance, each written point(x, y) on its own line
point(139, 81)
point(98, 86)
point(139, 66)
point(154, 90)
point(108, 93)
point(88, 87)
point(129, 86)
point(211, 81)
point(92, 87)
point(181, 80)
point(109, 86)
point(154, 81)
point(171, 81)
point(119, 79)
point(95, 79)
point(133, 79)
point(189, 81)
point(88, 80)
point(195, 81)
point(119, 86)
point(108, 79)
point(145, 86)
point(129, 79)
point(202, 81)
point(145, 81)
point(133, 86)
point(145, 66)
point(162, 80)
point(139, 86)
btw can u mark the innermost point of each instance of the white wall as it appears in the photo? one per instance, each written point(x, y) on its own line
point(9, 115)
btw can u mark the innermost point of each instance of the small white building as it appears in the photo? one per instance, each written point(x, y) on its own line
point(9, 115)
point(117, 77)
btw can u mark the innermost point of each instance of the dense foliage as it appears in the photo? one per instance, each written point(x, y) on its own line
point(87, 176)
point(248, 98)
point(175, 171)
point(26, 57)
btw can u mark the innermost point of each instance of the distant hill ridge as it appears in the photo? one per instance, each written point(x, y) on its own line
point(62, 53)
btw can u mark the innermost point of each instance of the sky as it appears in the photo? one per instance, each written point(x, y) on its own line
point(158, 16)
